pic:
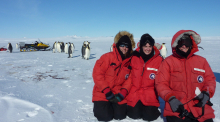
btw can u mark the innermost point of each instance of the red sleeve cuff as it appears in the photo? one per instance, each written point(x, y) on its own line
point(124, 92)
point(106, 90)
point(167, 97)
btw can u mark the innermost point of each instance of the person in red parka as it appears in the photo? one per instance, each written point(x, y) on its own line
point(110, 75)
point(186, 82)
point(142, 99)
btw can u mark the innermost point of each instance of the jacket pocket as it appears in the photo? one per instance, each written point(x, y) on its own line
point(123, 75)
point(149, 78)
point(177, 80)
point(198, 78)
point(198, 75)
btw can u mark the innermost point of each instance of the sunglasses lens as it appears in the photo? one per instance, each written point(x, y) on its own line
point(123, 45)
point(184, 42)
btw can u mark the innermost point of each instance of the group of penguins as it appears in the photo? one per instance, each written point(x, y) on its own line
point(69, 48)
point(10, 48)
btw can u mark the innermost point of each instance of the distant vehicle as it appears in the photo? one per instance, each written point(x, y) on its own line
point(34, 47)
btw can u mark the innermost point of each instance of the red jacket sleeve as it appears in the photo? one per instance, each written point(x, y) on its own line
point(162, 81)
point(210, 80)
point(127, 84)
point(99, 71)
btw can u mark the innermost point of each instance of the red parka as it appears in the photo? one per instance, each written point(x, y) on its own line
point(110, 71)
point(179, 77)
point(143, 79)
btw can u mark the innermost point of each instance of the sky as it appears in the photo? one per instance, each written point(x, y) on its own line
point(97, 18)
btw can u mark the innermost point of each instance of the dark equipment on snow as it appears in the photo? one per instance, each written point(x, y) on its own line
point(34, 47)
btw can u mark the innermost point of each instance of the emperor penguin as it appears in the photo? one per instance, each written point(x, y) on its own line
point(66, 48)
point(163, 51)
point(17, 46)
point(59, 47)
point(54, 47)
point(70, 51)
point(73, 48)
point(83, 50)
point(111, 48)
point(62, 47)
point(10, 48)
point(87, 52)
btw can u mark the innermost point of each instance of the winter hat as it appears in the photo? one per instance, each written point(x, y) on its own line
point(146, 38)
point(185, 40)
point(124, 40)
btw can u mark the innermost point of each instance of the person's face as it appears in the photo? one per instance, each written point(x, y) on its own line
point(147, 49)
point(184, 48)
point(123, 48)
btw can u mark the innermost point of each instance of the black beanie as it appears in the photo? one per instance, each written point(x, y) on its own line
point(124, 40)
point(146, 38)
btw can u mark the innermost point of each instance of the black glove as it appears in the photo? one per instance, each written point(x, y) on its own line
point(118, 98)
point(176, 105)
point(203, 97)
point(109, 95)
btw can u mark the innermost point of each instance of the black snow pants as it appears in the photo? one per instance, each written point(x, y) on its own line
point(106, 111)
point(140, 111)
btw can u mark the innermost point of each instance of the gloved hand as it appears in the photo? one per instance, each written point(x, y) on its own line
point(203, 97)
point(119, 97)
point(109, 96)
point(176, 105)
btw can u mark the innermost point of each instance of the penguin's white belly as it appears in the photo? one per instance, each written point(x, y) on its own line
point(87, 54)
point(163, 52)
point(66, 49)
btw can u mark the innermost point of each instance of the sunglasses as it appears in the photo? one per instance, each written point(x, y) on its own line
point(182, 42)
point(123, 45)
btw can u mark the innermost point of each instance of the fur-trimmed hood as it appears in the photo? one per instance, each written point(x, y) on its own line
point(195, 37)
point(123, 33)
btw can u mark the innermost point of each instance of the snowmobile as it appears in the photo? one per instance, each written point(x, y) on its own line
point(34, 47)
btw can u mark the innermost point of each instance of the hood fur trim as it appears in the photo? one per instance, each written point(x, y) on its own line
point(194, 35)
point(123, 33)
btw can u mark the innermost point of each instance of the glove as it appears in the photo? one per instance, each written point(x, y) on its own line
point(176, 105)
point(203, 97)
point(109, 95)
point(119, 97)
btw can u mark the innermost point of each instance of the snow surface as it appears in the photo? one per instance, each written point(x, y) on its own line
point(43, 86)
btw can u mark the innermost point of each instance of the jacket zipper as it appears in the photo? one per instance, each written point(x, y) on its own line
point(119, 69)
point(143, 70)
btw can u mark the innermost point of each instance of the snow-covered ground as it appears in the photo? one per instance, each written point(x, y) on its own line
point(43, 86)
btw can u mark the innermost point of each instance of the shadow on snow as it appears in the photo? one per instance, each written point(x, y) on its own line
point(217, 75)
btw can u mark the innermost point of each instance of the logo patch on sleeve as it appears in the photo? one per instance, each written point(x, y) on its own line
point(200, 79)
point(152, 76)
